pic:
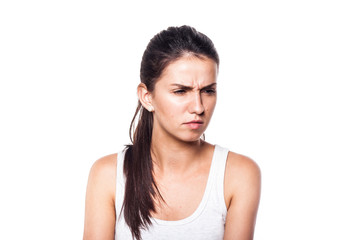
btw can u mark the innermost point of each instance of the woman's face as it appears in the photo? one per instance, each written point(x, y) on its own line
point(184, 99)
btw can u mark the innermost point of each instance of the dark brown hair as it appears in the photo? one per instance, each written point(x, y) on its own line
point(140, 188)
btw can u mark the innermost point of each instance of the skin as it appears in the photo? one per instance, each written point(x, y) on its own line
point(185, 91)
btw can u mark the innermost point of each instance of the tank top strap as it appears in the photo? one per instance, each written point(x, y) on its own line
point(120, 182)
point(220, 165)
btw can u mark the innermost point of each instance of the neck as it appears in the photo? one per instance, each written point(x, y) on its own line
point(175, 156)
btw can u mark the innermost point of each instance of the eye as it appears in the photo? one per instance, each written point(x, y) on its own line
point(209, 91)
point(180, 92)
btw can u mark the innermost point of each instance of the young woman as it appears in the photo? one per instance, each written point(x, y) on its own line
point(170, 183)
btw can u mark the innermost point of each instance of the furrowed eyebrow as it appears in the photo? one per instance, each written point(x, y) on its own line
point(210, 85)
point(190, 88)
point(182, 86)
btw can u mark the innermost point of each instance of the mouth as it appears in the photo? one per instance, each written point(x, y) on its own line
point(196, 124)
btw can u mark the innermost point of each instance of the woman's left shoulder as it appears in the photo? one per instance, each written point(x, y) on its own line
point(242, 195)
point(242, 178)
point(241, 164)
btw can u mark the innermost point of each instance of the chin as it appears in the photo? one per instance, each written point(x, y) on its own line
point(191, 138)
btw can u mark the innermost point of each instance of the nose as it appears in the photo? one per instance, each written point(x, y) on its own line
point(196, 105)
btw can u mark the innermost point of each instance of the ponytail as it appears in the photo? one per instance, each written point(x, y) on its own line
point(140, 187)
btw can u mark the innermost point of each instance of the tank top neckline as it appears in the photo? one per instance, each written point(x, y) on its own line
point(203, 201)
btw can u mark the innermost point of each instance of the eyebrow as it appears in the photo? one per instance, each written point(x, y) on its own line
point(190, 88)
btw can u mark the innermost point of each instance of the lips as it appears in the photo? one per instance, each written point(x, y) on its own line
point(195, 121)
point(195, 124)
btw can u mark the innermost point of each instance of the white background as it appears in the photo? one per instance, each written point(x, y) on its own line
point(288, 97)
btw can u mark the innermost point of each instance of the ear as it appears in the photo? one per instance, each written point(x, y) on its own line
point(145, 97)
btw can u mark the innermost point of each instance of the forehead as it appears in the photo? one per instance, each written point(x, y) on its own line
point(190, 71)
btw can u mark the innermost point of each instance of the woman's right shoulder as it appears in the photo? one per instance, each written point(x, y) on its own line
point(105, 165)
point(100, 199)
point(102, 177)
point(103, 170)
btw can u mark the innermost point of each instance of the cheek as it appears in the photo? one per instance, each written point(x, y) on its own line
point(210, 104)
point(170, 107)
point(173, 103)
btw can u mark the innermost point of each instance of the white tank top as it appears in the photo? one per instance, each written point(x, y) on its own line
point(206, 223)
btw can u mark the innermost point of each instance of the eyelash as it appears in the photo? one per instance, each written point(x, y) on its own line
point(210, 91)
point(207, 91)
point(179, 92)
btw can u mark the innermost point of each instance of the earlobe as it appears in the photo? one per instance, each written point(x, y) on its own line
point(145, 97)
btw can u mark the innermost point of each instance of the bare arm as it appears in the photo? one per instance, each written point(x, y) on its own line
point(242, 194)
point(100, 200)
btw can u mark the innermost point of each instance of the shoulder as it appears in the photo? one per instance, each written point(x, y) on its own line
point(100, 199)
point(103, 173)
point(241, 166)
point(242, 177)
point(242, 196)
point(106, 163)
point(104, 166)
